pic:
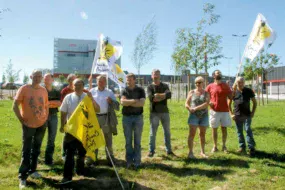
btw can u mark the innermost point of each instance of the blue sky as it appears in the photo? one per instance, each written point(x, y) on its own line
point(28, 31)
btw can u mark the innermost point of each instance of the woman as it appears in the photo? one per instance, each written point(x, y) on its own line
point(196, 103)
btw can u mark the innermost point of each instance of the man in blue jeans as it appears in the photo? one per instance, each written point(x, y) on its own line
point(54, 103)
point(158, 94)
point(242, 114)
point(132, 100)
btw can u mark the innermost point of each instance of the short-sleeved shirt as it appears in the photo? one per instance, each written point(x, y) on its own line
point(34, 104)
point(158, 107)
point(64, 92)
point(53, 95)
point(218, 96)
point(135, 93)
point(70, 102)
point(100, 98)
point(242, 101)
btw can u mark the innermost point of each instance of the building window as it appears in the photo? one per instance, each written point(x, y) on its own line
point(71, 55)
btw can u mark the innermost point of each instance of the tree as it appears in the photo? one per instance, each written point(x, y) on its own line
point(145, 45)
point(195, 49)
point(11, 74)
point(61, 78)
point(3, 78)
point(25, 79)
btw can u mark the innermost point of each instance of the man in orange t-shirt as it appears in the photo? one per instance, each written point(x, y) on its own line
point(33, 115)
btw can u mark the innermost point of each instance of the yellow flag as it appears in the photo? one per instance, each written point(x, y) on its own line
point(84, 126)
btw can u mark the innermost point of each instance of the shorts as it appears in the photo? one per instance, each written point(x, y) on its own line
point(196, 121)
point(220, 119)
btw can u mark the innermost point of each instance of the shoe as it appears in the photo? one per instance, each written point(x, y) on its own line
point(23, 184)
point(65, 181)
point(170, 153)
point(129, 165)
point(36, 175)
point(150, 154)
point(241, 151)
point(224, 149)
point(137, 166)
point(252, 151)
point(215, 149)
point(191, 156)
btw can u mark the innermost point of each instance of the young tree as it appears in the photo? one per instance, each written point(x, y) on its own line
point(145, 45)
point(25, 79)
point(11, 74)
point(196, 49)
point(61, 78)
point(3, 78)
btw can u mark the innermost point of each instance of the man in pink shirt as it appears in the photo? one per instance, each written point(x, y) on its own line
point(33, 115)
point(219, 113)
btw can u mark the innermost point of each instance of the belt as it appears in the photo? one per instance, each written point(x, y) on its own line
point(101, 114)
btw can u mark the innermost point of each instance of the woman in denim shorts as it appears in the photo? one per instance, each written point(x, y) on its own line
point(197, 104)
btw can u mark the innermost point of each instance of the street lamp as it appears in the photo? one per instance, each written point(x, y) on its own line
point(239, 37)
point(228, 58)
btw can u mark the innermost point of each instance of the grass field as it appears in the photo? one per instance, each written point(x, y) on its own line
point(220, 171)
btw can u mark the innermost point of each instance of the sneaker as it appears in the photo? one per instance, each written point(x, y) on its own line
point(150, 154)
point(129, 165)
point(23, 184)
point(170, 153)
point(252, 151)
point(215, 149)
point(65, 181)
point(191, 156)
point(241, 151)
point(224, 149)
point(36, 175)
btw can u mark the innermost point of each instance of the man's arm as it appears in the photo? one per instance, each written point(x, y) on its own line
point(230, 109)
point(127, 102)
point(63, 116)
point(253, 106)
point(138, 103)
point(95, 105)
point(17, 111)
point(150, 93)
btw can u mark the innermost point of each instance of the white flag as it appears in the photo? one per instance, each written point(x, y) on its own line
point(261, 35)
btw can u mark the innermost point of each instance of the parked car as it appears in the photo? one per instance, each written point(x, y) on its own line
point(9, 85)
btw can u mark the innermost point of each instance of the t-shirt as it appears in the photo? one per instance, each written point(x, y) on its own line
point(100, 98)
point(64, 92)
point(70, 102)
point(242, 101)
point(34, 104)
point(53, 95)
point(218, 95)
point(158, 107)
point(135, 93)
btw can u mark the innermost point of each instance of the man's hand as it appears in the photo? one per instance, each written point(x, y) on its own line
point(89, 95)
point(61, 129)
point(252, 114)
point(22, 120)
point(233, 116)
point(109, 100)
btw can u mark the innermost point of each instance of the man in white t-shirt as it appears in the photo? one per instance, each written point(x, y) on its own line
point(103, 96)
point(73, 146)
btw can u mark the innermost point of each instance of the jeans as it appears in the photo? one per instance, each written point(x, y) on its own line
point(154, 123)
point(52, 130)
point(72, 147)
point(133, 126)
point(244, 123)
point(32, 139)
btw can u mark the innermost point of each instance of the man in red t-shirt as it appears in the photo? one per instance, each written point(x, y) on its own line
point(219, 113)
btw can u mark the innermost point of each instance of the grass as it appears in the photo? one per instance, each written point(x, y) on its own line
point(220, 171)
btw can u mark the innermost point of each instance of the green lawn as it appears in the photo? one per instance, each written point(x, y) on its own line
point(219, 171)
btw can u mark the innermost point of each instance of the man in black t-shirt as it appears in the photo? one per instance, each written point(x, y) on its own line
point(132, 100)
point(158, 94)
point(54, 103)
point(243, 115)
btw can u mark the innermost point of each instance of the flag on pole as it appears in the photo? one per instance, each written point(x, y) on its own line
point(262, 35)
point(84, 126)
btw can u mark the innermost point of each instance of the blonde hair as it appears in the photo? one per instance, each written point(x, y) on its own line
point(101, 77)
point(36, 71)
point(199, 78)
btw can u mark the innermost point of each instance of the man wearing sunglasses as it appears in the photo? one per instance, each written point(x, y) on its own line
point(219, 112)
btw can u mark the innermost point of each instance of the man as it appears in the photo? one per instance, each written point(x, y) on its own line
point(158, 93)
point(242, 114)
point(72, 144)
point(104, 97)
point(133, 99)
point(33, 100)
point(54, 103)
point(219, 113)
point(69, 89)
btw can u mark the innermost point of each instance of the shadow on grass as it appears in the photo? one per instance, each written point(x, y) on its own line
point(217, 174)
point(265, 130)
point(220, 162)
point(265, 155)
point(82, 184)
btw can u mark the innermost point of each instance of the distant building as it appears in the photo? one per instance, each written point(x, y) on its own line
point(275, 80)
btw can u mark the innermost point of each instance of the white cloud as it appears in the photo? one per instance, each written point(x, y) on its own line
point(83, 15)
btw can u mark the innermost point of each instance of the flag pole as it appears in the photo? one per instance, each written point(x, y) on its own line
point(117, 174)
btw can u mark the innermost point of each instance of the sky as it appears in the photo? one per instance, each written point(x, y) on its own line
point(28, 31)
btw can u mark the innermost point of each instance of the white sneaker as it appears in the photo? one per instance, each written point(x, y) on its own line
point(23, 184)
point(36, 175)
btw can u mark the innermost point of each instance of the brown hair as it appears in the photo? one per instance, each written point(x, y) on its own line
point(131, 75)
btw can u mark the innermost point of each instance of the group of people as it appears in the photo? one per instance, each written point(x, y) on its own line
point(40, 105)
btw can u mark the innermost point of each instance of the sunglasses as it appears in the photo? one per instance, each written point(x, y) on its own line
point(198, 82)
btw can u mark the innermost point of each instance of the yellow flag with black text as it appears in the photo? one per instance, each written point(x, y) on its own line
point(84, 126)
